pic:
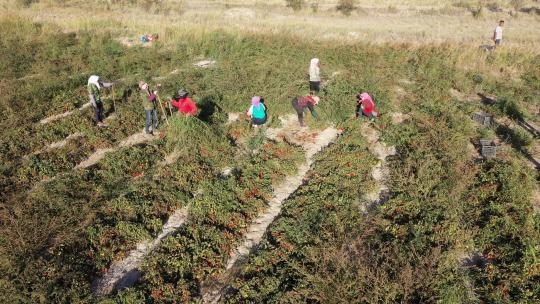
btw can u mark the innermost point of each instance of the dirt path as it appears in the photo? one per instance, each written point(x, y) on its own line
point(380, 171)
point(63, 142)
point(170, 158)
point(312, 142)
point(125, 273)
point(56, 145)
point(135, 139)
point(232, 117)
point(62, 115)
point(204, 63)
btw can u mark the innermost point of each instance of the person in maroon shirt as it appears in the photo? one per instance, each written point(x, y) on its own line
point(300, 104)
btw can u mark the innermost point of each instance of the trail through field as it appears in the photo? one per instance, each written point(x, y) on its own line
point(204, 63)
point(312, 142)
point(170, 158)
point(62, 115)
point(380, 171)
point(62, 143)
point(125, 273)
point(135, 139)
point(56, 145)
point(232, 117)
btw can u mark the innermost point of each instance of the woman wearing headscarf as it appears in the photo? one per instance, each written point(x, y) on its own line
point(257, 111)
point(300, 104)
point(94, 86)
point(314, 76)
point(365, 106)
point(149, 100)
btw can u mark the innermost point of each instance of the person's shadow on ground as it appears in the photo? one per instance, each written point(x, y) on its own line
point(209, 110)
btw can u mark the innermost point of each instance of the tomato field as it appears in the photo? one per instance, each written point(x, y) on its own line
point(456, 228)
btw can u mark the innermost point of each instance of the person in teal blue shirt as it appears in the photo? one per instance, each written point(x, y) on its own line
point(257, 111)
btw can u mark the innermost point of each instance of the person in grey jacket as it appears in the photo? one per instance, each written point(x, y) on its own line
point(94, 87)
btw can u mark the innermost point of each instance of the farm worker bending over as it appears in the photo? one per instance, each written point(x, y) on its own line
point(184, 103)
point(94, 86)
point(314, 76)
point(149, 103)
point(257, 111)
point(300, 104)
point(365, 106)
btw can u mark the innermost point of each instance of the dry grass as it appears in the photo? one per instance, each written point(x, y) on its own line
point(412, 21)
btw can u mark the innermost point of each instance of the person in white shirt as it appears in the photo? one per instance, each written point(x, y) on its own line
point(314, 76)
point(497, 35)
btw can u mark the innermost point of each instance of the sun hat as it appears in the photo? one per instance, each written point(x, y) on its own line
point(181, 93)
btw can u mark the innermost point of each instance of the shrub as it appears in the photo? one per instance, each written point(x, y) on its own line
point(346, 6)
point(392, 9)
point(477, 12)
point(296, 5)
point(463, 4)
point(517, 4)
point(510, 108)
point(493, 7)
point(26, 3)
point(518, 138)
point(314, 6)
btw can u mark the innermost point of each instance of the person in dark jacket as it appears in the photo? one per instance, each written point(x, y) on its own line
point(300, 104)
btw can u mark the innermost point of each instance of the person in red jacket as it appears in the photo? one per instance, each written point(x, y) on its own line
point(366, 106)
point(184, 104)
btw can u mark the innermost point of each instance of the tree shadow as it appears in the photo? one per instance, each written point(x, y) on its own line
point(529, 128)
point(532, 160)
point(517, 142)
point(512, 110)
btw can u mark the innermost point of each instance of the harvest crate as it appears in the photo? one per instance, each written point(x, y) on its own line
point(482, 118)
point(488, 149)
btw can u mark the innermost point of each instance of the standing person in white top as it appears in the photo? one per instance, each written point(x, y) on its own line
point(314, 76)
point(497, 35)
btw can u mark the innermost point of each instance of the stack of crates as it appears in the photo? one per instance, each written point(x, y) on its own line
point(488, 149)
point(483, 118)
